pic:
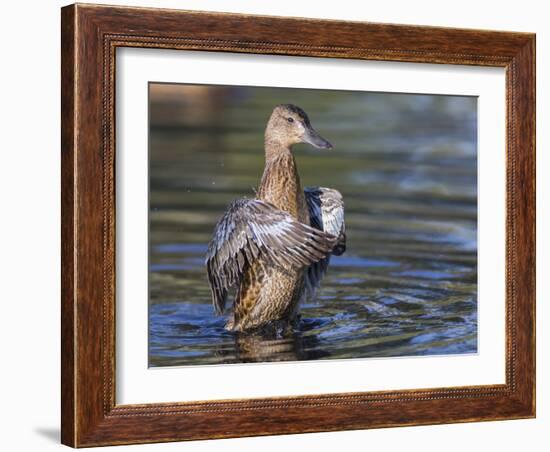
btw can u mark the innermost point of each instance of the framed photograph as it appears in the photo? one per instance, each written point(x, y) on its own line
point(282, 225)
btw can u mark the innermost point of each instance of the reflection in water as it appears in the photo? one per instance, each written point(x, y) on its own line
point(257, 348)
point(406, 166)
point(276, 344)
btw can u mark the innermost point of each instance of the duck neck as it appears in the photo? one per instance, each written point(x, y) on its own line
point(280, 184)
point(275, 149)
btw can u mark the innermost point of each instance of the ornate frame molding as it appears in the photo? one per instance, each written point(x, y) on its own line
point(90, 37)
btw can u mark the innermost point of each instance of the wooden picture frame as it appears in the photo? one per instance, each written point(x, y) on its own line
point(90, 36)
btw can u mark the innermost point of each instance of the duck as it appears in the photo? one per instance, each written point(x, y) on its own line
point(273, 250)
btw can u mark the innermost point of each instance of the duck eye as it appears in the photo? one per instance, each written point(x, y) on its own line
point(290, 119)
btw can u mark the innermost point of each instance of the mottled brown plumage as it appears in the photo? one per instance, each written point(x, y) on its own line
point(275, 249)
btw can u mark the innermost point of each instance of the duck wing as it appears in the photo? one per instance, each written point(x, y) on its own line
point(251, 229)
point(326, 213)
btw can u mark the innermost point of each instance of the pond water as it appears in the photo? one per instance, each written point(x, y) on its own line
point(407, 168)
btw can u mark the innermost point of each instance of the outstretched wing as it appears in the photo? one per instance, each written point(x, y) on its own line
point(326, 212)
point(250, 229)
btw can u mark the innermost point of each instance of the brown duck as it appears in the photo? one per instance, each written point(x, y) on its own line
point(275, 249)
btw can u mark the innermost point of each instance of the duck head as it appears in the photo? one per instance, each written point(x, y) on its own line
point(289, 125)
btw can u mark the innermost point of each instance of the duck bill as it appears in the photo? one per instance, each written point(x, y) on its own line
point(312, 137)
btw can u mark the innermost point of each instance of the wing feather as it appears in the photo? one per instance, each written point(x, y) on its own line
point(326, 212)
point(250, 229)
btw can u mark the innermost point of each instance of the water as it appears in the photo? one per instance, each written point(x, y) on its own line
point(406, 166)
